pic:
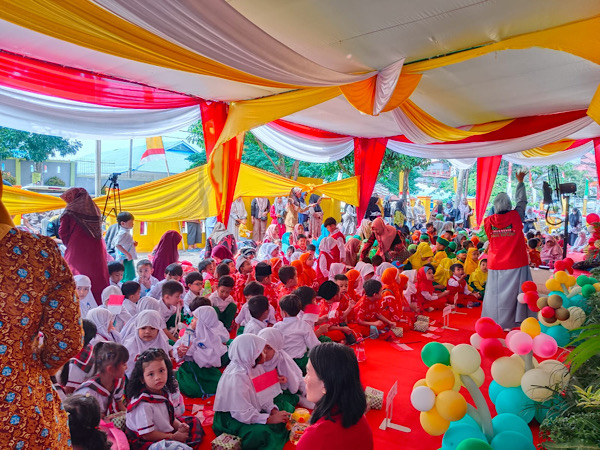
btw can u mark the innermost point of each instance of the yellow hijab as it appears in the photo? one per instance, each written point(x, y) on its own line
point(423, 251)
point(6, 222)
point(469, 264)
point(442, 273)
point(478, 279)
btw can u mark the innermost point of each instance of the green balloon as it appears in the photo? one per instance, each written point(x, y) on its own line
point(434, 353)
point(588, 290)
point(582, 280)
point(592, 280)
point(473, 444)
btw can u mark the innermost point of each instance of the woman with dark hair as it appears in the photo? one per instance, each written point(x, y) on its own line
point(333, 384)
point(373, 209)
point(315, 216)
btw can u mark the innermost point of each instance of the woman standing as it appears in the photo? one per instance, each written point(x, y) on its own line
point(419, 213)
point(373, 210)
point(349, 220)
point(37, 294)
point(333, 384)
point(508, 263)
point(165, 253)
point(315, 216)
point(529, 220)
point(81, 232)
point(295, 205)
point(237, 216)
point(278, 214)
point(464, 213)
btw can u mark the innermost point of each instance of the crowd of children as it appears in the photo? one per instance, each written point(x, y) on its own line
point(240, 327)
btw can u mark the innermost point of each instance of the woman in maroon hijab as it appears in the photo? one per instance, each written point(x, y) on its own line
point(165, 253)
point(81, 232)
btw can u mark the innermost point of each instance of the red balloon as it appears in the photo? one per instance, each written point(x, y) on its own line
point(529, 286)
point(548, 311)
point(569, 262)
point(592, 240)
point(559, 266)
point(492, 349)
point(531, 297)
point(486, 327)
point(591, 218)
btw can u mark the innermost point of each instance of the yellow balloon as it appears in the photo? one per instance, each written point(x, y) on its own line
point(597, 286)
point(561, 277)
point(571, 280)
point(457, 382)
point(465, 359)
point(451, 405)
point(507, 372)
point(440, 378)
point(537, 385)
point(433, 423)
point(531, 326)
point(420, 382)
point(478, 377)
point(553, 285)
point(576, 318)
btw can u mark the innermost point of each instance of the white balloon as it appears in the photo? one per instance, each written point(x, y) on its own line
point(576, 318)
point(559, 374)
point(422, 398)
point(521, 297)
point(537, 385)
point(475, 340)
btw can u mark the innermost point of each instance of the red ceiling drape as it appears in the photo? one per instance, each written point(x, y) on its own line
point(487, 168)
point(368, 154)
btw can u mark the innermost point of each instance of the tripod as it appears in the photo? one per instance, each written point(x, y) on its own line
point(112, 189)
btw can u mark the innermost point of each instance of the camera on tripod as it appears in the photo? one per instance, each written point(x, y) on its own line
point(113, 178)
point(112, 190)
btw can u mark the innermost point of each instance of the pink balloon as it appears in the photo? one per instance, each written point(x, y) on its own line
point(492, 348)
point(475, 340)
point(521, 343)
point(510, 334)
point(544, 345)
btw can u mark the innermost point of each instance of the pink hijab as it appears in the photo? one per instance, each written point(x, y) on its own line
point(385, 234)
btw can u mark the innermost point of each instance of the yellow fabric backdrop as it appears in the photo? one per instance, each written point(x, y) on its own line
point(19, 201)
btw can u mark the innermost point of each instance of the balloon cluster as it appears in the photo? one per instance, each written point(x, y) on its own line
point(444, 410)
point(593, 220)
point(564, 265)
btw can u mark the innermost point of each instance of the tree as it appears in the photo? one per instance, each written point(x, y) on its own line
point(34, 147)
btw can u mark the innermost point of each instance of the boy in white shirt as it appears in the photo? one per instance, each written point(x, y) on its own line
point(172, 272)
point(115, 273)
point(252, 289)
point(259, 310)
point(131, 290)
point(125, 245)
point(195, 284)
point(223, 301)
point(299, 336)
point(169, 307)
point(144, 276)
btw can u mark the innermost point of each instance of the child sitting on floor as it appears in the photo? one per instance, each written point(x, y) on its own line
point(252, 289)
point(83, 285)
point(144, 276)
point(115, 273)
point(223, 302)
point(132, 291)
point(425, 291)
point(173, 272)
point(243, 410)
point(535, 259)
point(289, 280)
point(310, 314)
point(369, 315)
point(108, 383)
point(331, 313)
point(156, 404)
point(79, 368)
point(84, 419)
point(194, 283)
point(203, 350)
point(258, 307)
point(170, 307)
point(478, 279)
point(459, 289)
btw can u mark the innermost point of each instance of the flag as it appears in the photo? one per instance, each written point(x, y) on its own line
point(155, 150)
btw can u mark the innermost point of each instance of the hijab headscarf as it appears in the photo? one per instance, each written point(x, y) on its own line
point(143, 304)
point(551, 250)
point(295, 256)
point(135, 345)
point(6, 222)
point(354, 283)
point(102, 318)
point(336, 269)
point(352, 248)
point(219, 233)
point(212, 334)
point(299, 266)
point(272, 233)
point(314, 198)
point(166, 253)
point(221, 252)
point(366, 270)
point(381, 268)
point(502, 203)
point(276, 264)
point(385, 234)
point(265, 250)
point(282, 361)
point(108, 291)
point(471, 265)
point(309, 272)
point(388, 279)
point(83, 210)
point(423, 284)
point(88, 302)
point(478, 277)
point(296, 232)
point(327, 245)
point(364, 230)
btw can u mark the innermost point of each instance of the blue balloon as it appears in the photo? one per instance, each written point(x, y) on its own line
point(560, 334)
point(511, 422)
point(466, 420)
point(511, 440)
point(493, 390)
point(514, 401)
point(457, 434)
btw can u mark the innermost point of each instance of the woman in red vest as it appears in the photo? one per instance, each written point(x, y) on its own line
point(508, 265)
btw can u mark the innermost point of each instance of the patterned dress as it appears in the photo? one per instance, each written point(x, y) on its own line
point(37, 294)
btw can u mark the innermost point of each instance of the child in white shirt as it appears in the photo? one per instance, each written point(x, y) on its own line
point(258, 306)
point(223, 301)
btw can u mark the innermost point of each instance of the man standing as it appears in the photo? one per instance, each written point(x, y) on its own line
point(259, 210)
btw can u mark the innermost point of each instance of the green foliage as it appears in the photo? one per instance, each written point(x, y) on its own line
point(55, 181)
point(8, 177)
point(577, 431)
point(34, 147)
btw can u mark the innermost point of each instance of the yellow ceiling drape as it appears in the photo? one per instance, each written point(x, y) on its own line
point(20, 201)
point(548, 149)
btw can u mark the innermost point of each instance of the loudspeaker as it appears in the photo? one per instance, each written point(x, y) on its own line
point(567, 188)
point(547, 193)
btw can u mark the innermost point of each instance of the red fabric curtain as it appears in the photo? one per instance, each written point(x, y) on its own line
point(223, 162)
point(368, 154)
point(487, 168)
point(39, 77)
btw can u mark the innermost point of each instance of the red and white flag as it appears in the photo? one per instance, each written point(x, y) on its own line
point(155, 150)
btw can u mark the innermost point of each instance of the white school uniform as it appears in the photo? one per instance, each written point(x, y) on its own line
point(187, 299)
point(136, 346)
point(107, 400)
point(125, 239)
point(207, 341)
point(309, 318)
point(244, 315)
point(145, 292)
point(166, 311)
point(129, 307)
point(298, 336)
point(254, 326)
point(119, 284)
point(88, 302)
point(219, 302)
point(102, 318)
point(146, 417)
point(285, 365)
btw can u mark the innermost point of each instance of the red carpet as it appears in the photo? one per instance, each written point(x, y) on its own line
point(385, 364)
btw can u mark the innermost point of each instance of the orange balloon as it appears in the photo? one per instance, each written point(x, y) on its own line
point(433, 423)
point(440, 378)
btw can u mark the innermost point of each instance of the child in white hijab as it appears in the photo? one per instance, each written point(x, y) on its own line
point(205, 350)
point(148, 333)
point(123, 317)
point(145, 303)
point(84, 295)
point(241, 410)
point(104, 321)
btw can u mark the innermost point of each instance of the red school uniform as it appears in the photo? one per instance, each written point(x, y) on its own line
point(339, 252)
point(238, 289)
point(534, 257)
point(460, 288)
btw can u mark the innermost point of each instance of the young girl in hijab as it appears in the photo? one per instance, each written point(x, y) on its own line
point(155, 409)
point(425, 290)
point(204, 350)
point(299, 272)
point(272, 234)
point(478, 278)
point(422, 256)
point(276, 264)
point(326, 259)
point(104, 321)
point(380, 269)
point(84, 295)
point(147, 333)
point(165, 253)
point(472, 261)
point(310, 274)
point(336, 269)
point(220, 253)
point(354, 284)
point(551, 252)
point(267, 251)
point(367, 271)
point(393, 302)
point(364, 230)
point(241, 410)
point(298, 230)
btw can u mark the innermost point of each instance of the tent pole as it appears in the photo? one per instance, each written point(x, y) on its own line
point(130, 156)
point(98, 171)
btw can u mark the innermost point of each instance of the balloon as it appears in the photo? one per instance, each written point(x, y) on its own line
point(521, 298)
point(531, 299)
point(592, 218)
point(562, 314)
point(528, 286)
point(475, 340)
point(561, 277)
point(493, 390)
point(507, 372)
point(422, 398)
point(451, 405)
point(555, 301)
point(448, 346)
point(457, 382)
point(511, 422)
point(560, 334)
point(478, 377)
point(541, 302)
point(521, 343)
point(488, 328)
point(582, 280)
point(512, 440)
point(465, 359)
point(588, 290)
point(544, 346)
point(559, 374)
point(434, 353)
point(576, 318)
point(531, 327)
point(548, 323)
point(536, 384)
point(514, 401)
point(474, 444)
point(559, 266)
point(548, 312)
point(520, 359)
point(440, 378)
point(492, 348)
point(420, 382)
point(510, 334)
point(455, 435)
point(433, 423)
point(553, 285)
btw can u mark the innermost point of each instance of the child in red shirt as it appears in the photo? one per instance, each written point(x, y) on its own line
point(368, 311)
point(534, 254)
point(339, 253)
point(459, 289)
point(331, 312)
point(289, 280)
